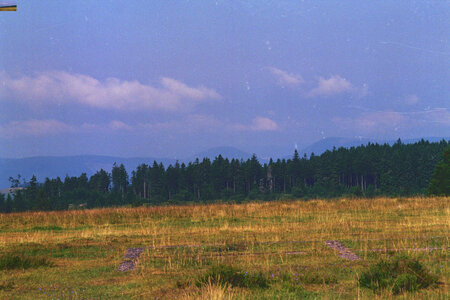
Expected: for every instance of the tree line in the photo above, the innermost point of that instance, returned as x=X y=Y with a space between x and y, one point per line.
x=365 y=171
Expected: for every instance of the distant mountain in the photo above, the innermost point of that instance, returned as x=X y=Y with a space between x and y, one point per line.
x=54 y=166
x=226 y=152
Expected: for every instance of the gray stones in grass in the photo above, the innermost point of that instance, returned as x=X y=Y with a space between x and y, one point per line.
x=130 y=259
x=344 y=252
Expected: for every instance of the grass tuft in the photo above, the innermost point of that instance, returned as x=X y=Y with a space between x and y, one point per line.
x=11 y=261
x=226 y=274
x=399 y=274
x=213 y=291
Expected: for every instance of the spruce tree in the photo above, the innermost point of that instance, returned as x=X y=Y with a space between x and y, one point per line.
x=440 y=183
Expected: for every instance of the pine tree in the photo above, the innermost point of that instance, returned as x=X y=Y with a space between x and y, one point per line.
x=8 y=204
x=2 y=203
x=440 y=184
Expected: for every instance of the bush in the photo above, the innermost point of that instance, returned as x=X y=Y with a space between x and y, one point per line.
x=399 y=274
x=13 y=261
x=225 y=274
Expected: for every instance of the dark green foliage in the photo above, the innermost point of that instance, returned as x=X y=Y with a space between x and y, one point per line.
x=440 y=183
x=8 y=204
x=226 y=274
x=12 y=261
x=317 y=278
x=299 y=191
x=2 y=203
x=364 y=171
x=398 y=274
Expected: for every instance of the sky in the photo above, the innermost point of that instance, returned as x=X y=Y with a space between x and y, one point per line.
x=173 y=78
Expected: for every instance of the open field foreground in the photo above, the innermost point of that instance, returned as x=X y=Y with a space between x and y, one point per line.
x=281 y=250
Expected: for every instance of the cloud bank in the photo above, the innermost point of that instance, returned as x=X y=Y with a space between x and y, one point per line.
x=62 y=87
x=324 y=87
x=34 y=128
x=385 y=121
x=196 y=123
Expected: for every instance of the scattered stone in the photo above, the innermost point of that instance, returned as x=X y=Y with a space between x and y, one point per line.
x=130 y=259
x=127 y=265
x=133 y=253
x=344 y=252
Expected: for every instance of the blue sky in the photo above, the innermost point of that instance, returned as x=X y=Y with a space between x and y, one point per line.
x=172 y=78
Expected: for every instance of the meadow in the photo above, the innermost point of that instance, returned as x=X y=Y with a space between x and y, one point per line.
x=8 y=8
x=257 y=250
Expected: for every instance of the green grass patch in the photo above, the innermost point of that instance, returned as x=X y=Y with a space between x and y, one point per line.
x=12 y=261
x=226 y=274
x=398 y=274
x=46 y=228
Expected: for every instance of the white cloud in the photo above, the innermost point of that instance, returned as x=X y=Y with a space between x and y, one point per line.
x=285 y=78
x=325 y=87
x=263 y=124
x=257 y=124
x=439 y=116
x=373 y=121
x=104 y=127
x=331 y=86
x=205 y=123
x=62 y=87
x=181 y=89
x=190 y=124
x=119 y=125
x=193 y=123
x=34 y=128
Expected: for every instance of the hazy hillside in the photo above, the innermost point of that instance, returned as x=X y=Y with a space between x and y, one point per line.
x=53 y=166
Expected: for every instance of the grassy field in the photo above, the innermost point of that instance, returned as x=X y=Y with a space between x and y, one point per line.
x=277 y=249
x=8 y=8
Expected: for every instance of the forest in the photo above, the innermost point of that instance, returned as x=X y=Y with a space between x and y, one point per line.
x=365 y=171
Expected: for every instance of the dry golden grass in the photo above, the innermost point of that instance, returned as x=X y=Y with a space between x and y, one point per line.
x=272 y=237
x=212 y=291
x=8 y=8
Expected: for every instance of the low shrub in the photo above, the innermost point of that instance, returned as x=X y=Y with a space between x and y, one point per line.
x=226 y=274
x=11 y=261
x=398 y=274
